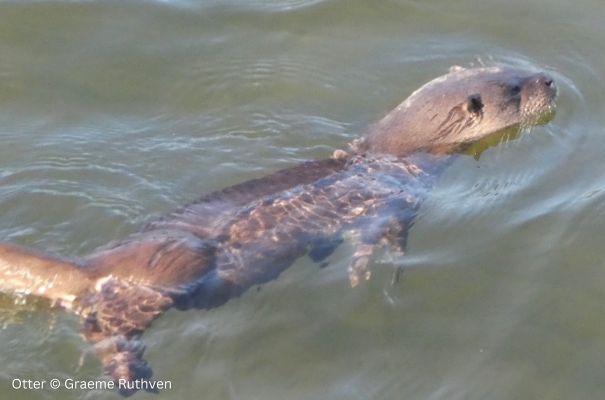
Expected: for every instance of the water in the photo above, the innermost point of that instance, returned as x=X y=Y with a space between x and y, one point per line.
x=114 y=113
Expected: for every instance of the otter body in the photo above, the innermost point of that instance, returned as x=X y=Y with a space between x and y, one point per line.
x=214 y=249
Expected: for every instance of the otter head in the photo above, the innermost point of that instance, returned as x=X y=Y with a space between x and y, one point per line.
x=462 y=107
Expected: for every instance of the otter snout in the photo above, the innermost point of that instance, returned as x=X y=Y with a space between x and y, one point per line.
x=538 y=96
x=548 y=83
x=540 y=85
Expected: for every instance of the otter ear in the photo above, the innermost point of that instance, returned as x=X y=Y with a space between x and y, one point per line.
x=456 y=68
x=474 y=105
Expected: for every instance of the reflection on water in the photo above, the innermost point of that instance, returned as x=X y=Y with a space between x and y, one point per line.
x=113 y=113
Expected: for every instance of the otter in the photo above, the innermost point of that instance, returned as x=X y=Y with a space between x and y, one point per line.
x=212 y=250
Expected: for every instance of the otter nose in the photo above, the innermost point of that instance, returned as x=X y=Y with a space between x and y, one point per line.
x=545 y=80
x=548 y=82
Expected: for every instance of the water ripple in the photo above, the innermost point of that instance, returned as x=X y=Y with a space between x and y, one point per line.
x=255 y=5
x=233 y=76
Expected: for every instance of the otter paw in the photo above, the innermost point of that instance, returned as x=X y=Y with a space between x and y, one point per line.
x=359 y=271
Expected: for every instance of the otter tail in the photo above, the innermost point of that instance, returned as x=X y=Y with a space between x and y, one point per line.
x=31 y=272
x=114 y=312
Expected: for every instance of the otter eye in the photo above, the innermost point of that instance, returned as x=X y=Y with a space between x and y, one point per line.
x=515 y=90
x=474 y=104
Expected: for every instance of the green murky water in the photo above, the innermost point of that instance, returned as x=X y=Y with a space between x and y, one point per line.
x=115 y=112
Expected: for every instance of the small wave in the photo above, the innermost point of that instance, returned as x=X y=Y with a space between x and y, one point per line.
x=255 y=5
x=232 y=77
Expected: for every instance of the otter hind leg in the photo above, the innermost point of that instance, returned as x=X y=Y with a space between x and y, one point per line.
x=122 y=360
x=114 y=318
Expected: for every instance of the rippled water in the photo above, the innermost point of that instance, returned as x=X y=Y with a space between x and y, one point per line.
x=115 y=112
